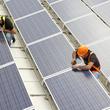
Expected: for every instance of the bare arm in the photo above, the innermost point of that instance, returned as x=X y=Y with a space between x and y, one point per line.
x=74 y=55
x=13 y=31
x=73 y=58
x=83 y=67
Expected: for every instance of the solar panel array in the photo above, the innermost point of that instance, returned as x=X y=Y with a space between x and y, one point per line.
x=87 y=27
x=13 y=95
x=51 y=52
x=77 y=91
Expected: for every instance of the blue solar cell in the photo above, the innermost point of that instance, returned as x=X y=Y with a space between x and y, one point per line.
x=13 y=95
x=19 y=8
x=70 y=9
x=5 y=54
x=89 y=29
x=77 y=91
x=52 y=55
x=37 y=27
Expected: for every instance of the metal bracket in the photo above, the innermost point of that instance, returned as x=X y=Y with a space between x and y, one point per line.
x=30 y=108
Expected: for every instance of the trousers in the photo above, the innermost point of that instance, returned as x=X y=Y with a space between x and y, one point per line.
x=9 y=38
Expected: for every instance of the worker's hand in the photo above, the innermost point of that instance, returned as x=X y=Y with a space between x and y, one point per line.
x=75 y=66
x=73 y=62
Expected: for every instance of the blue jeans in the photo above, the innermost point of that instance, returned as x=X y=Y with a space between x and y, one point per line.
x=9 y=38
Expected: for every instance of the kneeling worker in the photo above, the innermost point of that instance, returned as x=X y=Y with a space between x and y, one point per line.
x=91 y=61
x=8 y=29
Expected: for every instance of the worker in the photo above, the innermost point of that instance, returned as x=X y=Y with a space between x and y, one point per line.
x=8 y=28
x=91 y=61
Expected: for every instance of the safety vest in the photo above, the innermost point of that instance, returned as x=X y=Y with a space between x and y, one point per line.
x=3 y=18
x=96 y=69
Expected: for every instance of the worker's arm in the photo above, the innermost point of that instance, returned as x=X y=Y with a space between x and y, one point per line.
x=73 y=58
x=83 y=66
x=13 y=31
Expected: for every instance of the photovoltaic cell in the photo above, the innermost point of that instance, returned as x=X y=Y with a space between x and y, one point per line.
x=19 y=8
x=103 y=53
x=5 y=54
x=70 y=9
x=52 y=55
x=77 y=91
x=36 y=27
x=94 y=2
x=103 y=12
x=13 y=95
x=89 y=29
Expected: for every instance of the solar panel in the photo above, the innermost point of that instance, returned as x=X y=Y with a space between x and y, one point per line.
x=103 y=12
x=102 y=51
x=19 y=8
x=13 y=95
x=36 y=27
x=94 y=2
x=89 y=29
x=52 y=55
x=77 y=91
x=70 y=9
x=5 y=55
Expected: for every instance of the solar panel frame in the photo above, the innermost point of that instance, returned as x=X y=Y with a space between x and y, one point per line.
x=20 y=10
x=39 y=30
x=59 y=8
x=89 y=33
x=13 y=93
x=51 y=48
x=75 y=98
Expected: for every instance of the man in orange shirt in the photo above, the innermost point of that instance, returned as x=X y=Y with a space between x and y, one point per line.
x=91 y=61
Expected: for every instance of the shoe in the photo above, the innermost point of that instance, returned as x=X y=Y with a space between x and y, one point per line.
x=13 y=38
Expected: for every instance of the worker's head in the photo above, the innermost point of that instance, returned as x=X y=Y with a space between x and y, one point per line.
x=82 y=51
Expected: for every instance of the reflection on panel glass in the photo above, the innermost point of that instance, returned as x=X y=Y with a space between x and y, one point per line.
x=19 y=8
x=52 y=55
x=89 y=29
x=104 y=12
x=37 y=27
x=70 y=9
x=94 y=2
x=75 y=91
